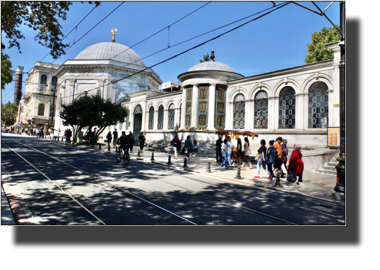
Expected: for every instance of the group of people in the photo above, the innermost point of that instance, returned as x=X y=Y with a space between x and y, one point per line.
x=224 y=151
x=273 y=158
x=191 y=147
x=130 y=141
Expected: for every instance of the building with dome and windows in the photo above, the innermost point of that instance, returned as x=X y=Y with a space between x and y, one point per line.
x=298 y=103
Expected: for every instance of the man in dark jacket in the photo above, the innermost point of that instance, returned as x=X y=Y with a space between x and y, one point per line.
x=219 y=149
x=115 y=137
x=109 y=137
x=131 y=140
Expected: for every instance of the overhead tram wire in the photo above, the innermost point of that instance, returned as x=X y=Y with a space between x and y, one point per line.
x=201 y=44
x=73 y=29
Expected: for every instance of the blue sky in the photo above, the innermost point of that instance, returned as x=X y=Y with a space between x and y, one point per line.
x=276 y=41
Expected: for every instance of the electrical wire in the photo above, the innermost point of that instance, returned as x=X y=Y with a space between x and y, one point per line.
x=192 y=48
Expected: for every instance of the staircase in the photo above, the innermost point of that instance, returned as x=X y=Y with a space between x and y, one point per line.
x=329 y=167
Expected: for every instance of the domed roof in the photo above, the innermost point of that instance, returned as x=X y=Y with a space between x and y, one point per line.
x=111 y=51
x=211 y=65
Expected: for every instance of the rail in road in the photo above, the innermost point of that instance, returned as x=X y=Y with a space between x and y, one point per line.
x=273 y=207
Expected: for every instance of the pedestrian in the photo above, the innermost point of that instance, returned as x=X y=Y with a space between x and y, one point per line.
x=218 y=149
x=223 y=152
x=278 y=161
x=37 y=132
x=195 y=147
x=179 y=145
x=109 y=137
x=142 y=142
x=114 y=137
x=247 y=152
x=174 y=144
x=239 y=152
x=284 y=155
x=131 y=141
x=271 y=155
x=263 y=159
x=41 y=133
x=228 y=151
x=68 y=136
x=188 y=146
x=296 y=163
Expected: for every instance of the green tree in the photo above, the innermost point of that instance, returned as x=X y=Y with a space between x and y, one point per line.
x=42 y=17
x=91 y=111
x=6 y=72
x=8 y=113
x=316 y=50
x=206 y=58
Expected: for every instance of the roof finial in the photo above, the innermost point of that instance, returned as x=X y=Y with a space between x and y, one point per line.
x=113 y=31
x=212 y=55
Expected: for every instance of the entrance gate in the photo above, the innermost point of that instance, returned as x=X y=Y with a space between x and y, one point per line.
x=137 y=122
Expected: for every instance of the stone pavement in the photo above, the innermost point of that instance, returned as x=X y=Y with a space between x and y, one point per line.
x=314 y=184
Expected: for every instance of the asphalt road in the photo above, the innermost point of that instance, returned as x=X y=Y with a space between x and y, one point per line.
x=142 y=193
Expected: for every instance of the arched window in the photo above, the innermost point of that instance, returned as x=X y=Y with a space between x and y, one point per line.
x=287 y=108
x=220 y=107
x=171 y=116
x=261 y=110
x=43 y=79
x=41 y=109
x=151 y=118
x=160 y=124
x=318 y=105
x=188 y=106
x=239 y=112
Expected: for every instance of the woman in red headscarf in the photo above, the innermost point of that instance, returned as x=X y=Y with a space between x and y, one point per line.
x=296 y=163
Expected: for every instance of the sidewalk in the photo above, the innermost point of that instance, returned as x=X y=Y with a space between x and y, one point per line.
x=314 y=184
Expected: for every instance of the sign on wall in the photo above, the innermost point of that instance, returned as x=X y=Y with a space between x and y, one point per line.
x=333 y=136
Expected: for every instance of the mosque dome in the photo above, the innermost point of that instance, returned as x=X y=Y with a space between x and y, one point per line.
x=111 y=51
x=211 y=65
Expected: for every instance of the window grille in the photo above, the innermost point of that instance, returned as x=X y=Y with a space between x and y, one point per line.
x=287 y=108
x=171 y=116
x=203 y=106
x=220 y=107
x=43 y=79
x=160 y=124
x=239 y=112
x=138 y=109
x=318 y=105
x=188 y=107
x=151 y=118
x=261 y=110
x=54 y=81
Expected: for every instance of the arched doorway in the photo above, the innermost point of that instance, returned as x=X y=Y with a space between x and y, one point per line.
x=137 y=121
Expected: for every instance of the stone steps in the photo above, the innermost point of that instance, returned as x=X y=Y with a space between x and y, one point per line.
x=328 y=167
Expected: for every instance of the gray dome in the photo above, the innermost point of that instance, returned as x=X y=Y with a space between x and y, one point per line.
x=111 y=51
x=211 y=65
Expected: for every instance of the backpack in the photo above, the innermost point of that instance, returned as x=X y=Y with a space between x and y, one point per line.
x=272 y=154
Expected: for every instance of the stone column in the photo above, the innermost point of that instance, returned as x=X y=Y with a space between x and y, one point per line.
x=300 y=125
x=248 y=113
x=155 y=121
x=176 y=118
x=143 y=120
x=272 y=113
x=211 y=107
x=183 y=116
x=195 y=106
x=166 y=120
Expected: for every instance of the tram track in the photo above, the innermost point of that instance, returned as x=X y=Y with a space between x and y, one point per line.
x=203 y=194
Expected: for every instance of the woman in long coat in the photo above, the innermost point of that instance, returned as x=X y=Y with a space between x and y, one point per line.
x=296 y=163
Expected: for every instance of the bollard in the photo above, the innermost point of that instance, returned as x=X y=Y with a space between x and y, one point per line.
x=185 y=163
x=100 y=147
x=238 y=175
x=152 y=159
x=109 y=148
x=62 y=139
x=169 y=161
x=209 y=167
x=277 y=184
x=92 y=145
x=138 y=153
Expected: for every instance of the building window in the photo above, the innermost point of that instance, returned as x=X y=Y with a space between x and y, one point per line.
x=220 y=107
x=188 y=107
x=171 y=116
x=261 y=110
x=318 y=105
x=203 y=106
x=151 y=118
x=43 y=79
x=239 y=112
x=287 y=108
x=160 y=124
x=54 y=83
x=41 y=109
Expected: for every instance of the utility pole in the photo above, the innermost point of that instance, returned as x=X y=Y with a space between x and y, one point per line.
x=340 y=168
x=53 y=107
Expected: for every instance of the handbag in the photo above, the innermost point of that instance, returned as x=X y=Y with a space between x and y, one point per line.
x=257 y=157
x=291 y=176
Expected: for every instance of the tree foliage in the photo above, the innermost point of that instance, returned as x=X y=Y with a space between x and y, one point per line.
x=92 y=111
x=8 y=113
x=316 y=50
x=206 y=58
x=6 y=72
